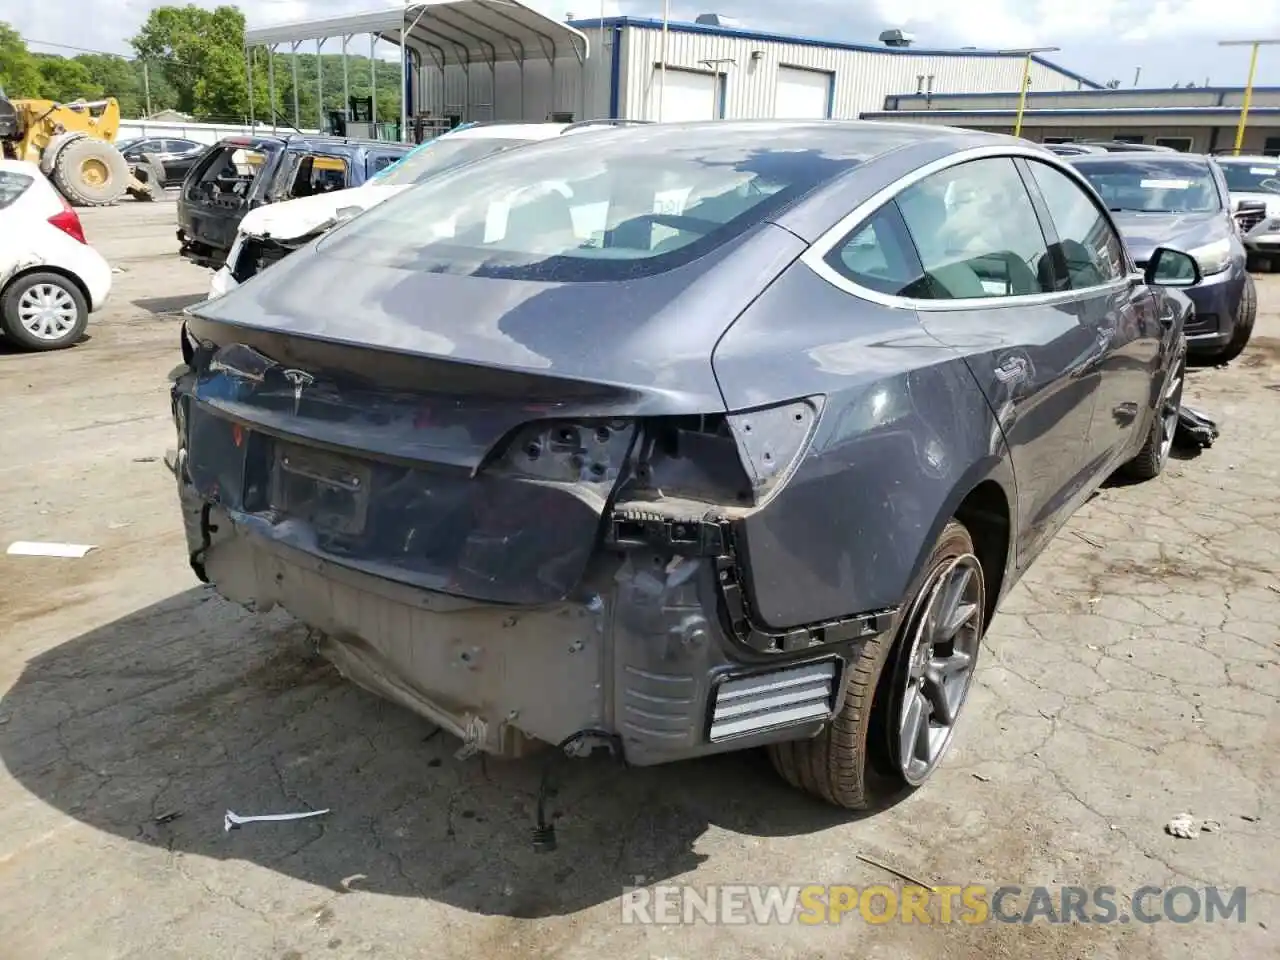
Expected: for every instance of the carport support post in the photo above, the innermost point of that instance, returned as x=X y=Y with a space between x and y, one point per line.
x=297 y=118
x=248 y=64
x=404 y=83
x=271 y=80
x=346 y=86
x=320 y=83
x=373 y=86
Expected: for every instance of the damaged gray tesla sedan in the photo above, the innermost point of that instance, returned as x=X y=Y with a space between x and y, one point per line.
x=715 y=435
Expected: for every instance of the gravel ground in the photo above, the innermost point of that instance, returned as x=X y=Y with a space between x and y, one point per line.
x=1132 y=676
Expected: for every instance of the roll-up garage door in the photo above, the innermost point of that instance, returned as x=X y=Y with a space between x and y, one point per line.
x=688 y=96
x=802 y=94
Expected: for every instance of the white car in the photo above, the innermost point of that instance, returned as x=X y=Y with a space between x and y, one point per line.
x=270 y=232
x=1254 y=183
x=50 y=278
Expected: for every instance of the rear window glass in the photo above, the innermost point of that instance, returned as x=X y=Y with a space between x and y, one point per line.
x=12 y=186
x=635 y=202
x=229 y=170
x=1253 y=177
x=1152 y=184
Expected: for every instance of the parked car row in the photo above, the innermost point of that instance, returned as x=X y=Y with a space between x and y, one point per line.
x=686 y=438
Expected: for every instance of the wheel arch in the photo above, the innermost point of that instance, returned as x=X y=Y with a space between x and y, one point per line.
x=983 y=499
x=56 y=271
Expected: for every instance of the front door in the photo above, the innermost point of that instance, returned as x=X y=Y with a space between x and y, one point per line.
x=1091 y=260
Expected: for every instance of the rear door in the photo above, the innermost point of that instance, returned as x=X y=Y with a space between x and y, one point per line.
x=1090 y=260
x=991 y=293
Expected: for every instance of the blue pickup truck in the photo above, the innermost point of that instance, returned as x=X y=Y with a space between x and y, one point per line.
x=242 y=173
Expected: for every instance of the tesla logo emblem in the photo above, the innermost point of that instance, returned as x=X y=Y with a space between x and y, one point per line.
x=299 y=379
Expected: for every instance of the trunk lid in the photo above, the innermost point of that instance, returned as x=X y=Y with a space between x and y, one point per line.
x=460 y=434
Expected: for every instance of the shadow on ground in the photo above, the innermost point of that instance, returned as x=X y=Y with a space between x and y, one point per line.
x=166 y=305
x=151 y=727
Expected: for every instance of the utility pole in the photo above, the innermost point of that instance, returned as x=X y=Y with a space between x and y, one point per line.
x=1248 y=87
x=146 y=86
x=1026 y=55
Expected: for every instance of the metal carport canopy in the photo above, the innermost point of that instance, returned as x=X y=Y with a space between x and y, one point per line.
x=454 y=31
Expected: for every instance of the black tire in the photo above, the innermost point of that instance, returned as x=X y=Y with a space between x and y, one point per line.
x=1151 y=459
x=852 y=763
x=91 y=173
x=11 y=320
x=1242 y=331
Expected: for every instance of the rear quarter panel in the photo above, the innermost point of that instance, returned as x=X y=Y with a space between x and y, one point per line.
x=904 y=436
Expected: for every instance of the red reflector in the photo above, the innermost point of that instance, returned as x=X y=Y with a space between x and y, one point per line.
x=69 y=223
x=237 y=434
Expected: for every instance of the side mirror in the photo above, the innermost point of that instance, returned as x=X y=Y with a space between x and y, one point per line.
x=1172 y=268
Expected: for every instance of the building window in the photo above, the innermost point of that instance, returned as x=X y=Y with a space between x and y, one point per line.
x=1272 y=147
x=1182 y=144
x=1059 y=139
x=1128 y=138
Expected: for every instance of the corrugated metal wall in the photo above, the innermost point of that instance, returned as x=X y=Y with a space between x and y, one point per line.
x=863 y=78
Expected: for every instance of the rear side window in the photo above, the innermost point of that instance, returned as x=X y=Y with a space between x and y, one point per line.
x=977 y=232
x=12 y=186
x=1092 y=253
x=318 y=173
x=879 y=255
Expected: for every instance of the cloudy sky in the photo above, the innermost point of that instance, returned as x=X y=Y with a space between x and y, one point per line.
x=1173 y=41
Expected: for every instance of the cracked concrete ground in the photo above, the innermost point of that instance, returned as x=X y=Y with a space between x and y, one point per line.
x=1134 y=675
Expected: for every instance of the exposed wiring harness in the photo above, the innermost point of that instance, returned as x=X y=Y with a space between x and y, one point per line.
x=544 y=832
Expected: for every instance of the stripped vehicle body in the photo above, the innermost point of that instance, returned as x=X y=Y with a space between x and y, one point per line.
x=677 y=479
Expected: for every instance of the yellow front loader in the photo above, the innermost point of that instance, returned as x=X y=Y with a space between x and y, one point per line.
x=73 y=144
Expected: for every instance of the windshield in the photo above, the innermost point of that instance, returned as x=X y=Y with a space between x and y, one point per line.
x=1154 y=185
x=640 y=201
x=1255 y=177
x=440 y=155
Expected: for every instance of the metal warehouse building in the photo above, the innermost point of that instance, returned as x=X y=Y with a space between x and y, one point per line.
x=499 y=60
x=1196 y=119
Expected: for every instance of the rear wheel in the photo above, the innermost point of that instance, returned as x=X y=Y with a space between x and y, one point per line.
x=1242 y=330
x=43 y=311
x=91 y=173
x=904 y=693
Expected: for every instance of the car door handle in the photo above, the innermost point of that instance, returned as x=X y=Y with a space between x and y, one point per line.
x=1166 y=320
x=1011 y=368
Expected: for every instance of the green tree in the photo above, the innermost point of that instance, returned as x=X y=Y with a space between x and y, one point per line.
x=201 y=55
x=117 y=77
x=19 y=71
x=66 y=80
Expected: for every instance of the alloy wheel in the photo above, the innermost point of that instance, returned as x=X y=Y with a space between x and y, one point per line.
x=944 y=649
x=47 y=311
x=1170 y=406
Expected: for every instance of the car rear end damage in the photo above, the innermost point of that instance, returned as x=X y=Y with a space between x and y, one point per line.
x=518 y=558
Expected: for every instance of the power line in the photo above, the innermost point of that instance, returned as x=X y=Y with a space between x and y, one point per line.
x=67 y=46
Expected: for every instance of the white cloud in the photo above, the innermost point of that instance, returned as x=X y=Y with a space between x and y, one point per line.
x=1019 y=23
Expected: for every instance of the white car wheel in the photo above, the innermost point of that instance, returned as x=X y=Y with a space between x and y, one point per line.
x=44 y=311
